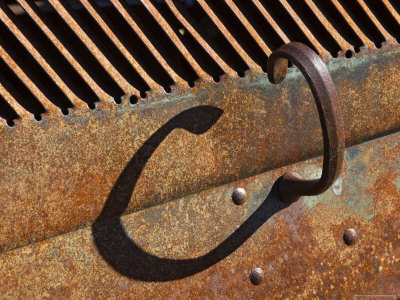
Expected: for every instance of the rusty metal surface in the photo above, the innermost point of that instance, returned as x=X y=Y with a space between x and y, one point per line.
x=64 y=167
x=57 y=174
x=202 y=41
x=292 y=186
x=205 y=246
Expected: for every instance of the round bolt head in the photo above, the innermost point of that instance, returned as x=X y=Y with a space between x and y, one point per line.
x=350 y=236
x=256 y=276
x=239 y=196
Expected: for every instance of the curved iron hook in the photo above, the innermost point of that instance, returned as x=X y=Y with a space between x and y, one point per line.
x=291 y=185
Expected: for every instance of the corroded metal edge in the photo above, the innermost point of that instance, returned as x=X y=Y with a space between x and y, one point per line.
x=339 y=40
x=205 y=246
x=57 y=175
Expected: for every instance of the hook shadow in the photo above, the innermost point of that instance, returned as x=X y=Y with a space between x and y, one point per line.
x=121 y=252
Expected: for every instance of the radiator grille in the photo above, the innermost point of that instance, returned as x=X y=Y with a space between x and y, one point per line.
x=58 y=55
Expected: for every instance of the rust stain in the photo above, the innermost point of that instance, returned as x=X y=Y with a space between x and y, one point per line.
x=151 y=83
x=366 y=41
x=386 y=194
x=175 y=39
x=391 y=9
x=45 y=65
x=65 y=168
x=10 y=14
x=249 y=27
x=28 y=82
x=125 y=14
x=314 y=41
x=378 y=25
x=198 y=37
x=204 y=246
x=344 y=45
x=56 y=176
x=19 y=109
x=92 y=47
x=271 y=21
x=31 y=9
x=228 y=35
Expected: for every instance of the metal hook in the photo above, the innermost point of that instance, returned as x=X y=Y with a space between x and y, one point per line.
x=291 y=185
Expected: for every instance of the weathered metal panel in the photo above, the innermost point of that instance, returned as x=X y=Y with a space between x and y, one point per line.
x=205 y=246
x=56 y=175
x=61 y=173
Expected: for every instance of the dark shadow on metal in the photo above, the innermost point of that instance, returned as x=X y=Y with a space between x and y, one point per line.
x=129 y=259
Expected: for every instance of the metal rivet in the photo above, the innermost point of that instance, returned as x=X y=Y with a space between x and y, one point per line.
x=350 y=236
x=256 y=276
x=239 y=196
